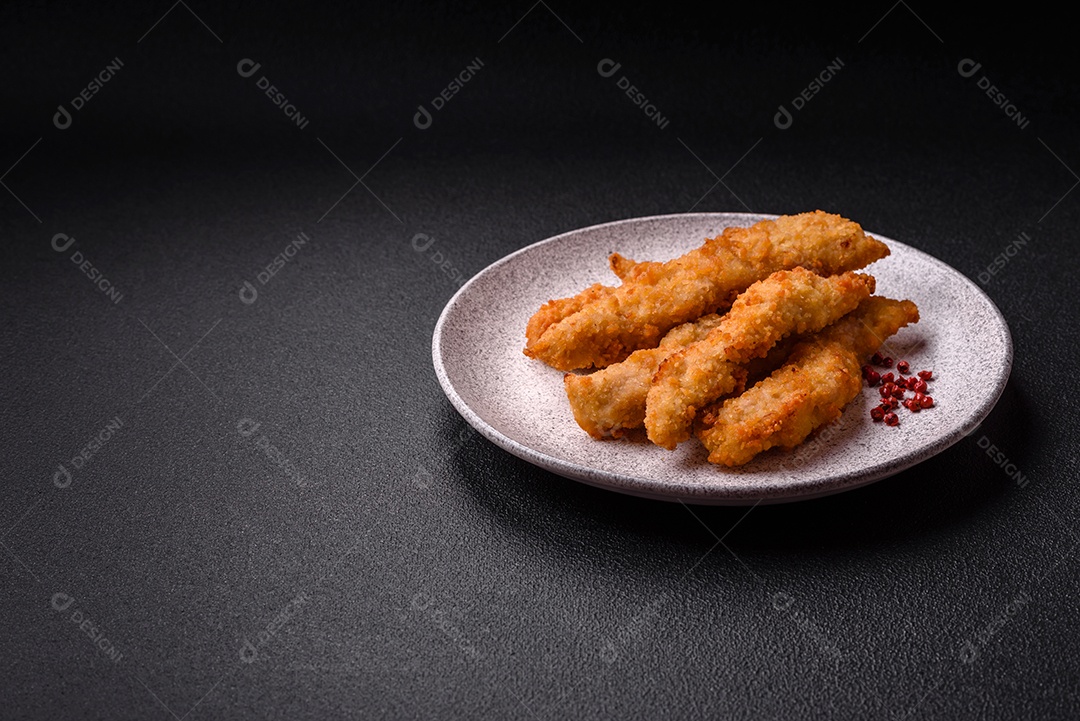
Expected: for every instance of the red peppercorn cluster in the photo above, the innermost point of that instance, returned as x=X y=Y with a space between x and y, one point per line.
x=894 y=388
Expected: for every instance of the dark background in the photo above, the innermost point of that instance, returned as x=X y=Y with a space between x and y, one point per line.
x=417 y=571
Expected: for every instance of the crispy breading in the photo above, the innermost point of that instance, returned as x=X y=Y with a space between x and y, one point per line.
x=629 y=270
x=554 y=311
x=606 y=329
x=787 y=302
x=609 y=401
x=822 y=376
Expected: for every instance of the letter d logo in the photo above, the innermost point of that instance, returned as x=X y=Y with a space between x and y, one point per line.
x=422 y=479
x=62 y=118
x=421 y=242
x=62 y=478
x=62 y=601
x=248 y=653
x=248 y=294
x=247 y=67
x=968 y=67
x=783 y=118
x=62 y=237
x=247 y=427
x=422 y=119
x=607 y=67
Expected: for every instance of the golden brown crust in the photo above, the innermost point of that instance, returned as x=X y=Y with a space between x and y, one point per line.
x=554 y=311
x=629 y=270
x=610 y=401
x=606 y=329
x=787 y=302
x=810 y=389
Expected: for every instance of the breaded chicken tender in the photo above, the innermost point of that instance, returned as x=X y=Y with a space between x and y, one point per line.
x=609 y=327
x=554 y=311
x=612 y=400
x=629 y=270
x=822 y=376
x=787 y=302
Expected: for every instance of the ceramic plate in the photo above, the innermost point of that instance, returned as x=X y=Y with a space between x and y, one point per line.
x=519 y=403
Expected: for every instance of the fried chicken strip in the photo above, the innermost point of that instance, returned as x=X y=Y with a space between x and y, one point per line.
x=822 y=376
x=609 y=401
x=554 y=311
x=637 y=314
x=629 y=270
x=787 y=302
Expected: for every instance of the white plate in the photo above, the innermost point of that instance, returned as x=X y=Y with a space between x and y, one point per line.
x=520 y=405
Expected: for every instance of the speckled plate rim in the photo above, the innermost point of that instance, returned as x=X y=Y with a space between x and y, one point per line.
x=726 y=495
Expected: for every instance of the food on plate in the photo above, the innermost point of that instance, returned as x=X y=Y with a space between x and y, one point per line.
x=894 y=389
x=627 y=269
x=612 y=400
x=606 y=326
x=751 y=341
x=787 y=302
x=555 y=310
x=822 y=375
